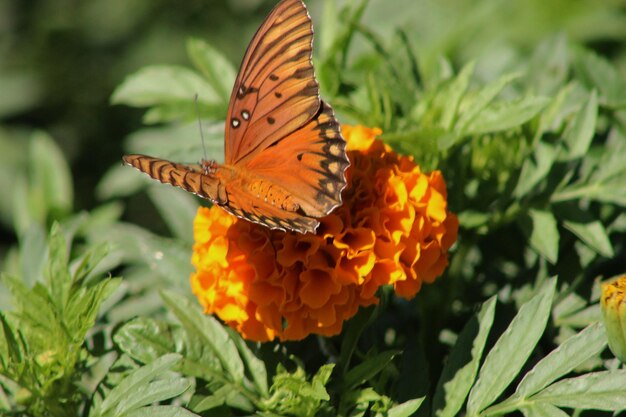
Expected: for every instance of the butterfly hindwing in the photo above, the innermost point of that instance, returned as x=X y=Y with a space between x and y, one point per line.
x=308 y=166
x=275 y=92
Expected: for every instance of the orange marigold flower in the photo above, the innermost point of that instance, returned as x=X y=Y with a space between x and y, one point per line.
x=394 y=228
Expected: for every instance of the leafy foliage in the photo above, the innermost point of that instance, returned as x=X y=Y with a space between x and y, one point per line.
x=41 y=350
x=529 y=130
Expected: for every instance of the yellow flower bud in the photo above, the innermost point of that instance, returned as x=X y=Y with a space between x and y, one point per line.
x=613 y=305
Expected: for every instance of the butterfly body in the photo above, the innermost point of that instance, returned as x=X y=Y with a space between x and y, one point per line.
x=284 y=156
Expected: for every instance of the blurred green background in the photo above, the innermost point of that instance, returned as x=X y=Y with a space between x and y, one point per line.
x=60 y=61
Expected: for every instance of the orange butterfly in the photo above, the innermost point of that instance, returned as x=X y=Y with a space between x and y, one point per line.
x=285 y=158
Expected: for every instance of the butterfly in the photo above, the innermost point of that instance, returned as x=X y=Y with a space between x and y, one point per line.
x=284 y=156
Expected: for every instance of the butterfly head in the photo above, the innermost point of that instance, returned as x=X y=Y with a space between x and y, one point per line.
x=208 y=166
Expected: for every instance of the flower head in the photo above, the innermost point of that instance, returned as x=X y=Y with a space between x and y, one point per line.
x=613 y=304
x=394 y=228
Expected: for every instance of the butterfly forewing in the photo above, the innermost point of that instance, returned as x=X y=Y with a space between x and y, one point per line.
x=275 y=92
x=190 y=178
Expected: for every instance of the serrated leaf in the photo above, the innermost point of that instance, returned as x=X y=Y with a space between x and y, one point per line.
x=593 y=234
x=214 y=66
x=598 y=390
x=574 y=351
x=83 y=306
x=367 y=369
x=544 y=236
x=510 y=352
x=506 y=115
x=161 y=84
x=178 y=208
x=582 y=129
x=210 y=331
x=122 y=394
x=460 y=370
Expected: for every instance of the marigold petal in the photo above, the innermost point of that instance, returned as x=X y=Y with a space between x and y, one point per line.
x=318 y=287
x=394 y=228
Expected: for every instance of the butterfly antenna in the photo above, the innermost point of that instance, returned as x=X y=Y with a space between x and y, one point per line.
x=195 y=102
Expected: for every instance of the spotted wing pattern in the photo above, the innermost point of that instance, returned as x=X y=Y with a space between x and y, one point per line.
x=305 y=173
x=275 y=92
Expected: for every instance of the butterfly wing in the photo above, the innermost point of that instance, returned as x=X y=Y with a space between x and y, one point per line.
x=191 y=178
x=308 y=167
x=275 y=92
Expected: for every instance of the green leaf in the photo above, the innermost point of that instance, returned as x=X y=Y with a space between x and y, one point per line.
x=460 y=369
x=58 y=278
x=367 y=369
x=83 y=306
x=582 y=129
x=254 y=365
x=512 y=349
x=127 y=394
x=452 y=94
x=178 y=208
x=168 y=259
x=405 y=409
x=593 y=234
x=33 y=254
x=152 y=392
x=535 y=168
x=549 y=66
x=506 y=115
x=176 y=111
x=218 y=398
x=598 y=390
x=12 y=345
x=350 y=336
x=162 y=84
x=292 y=394
x=145 y=339
x=210 y=331
x=574 y=351
x=214 y=66
x=544 y=236
x=599 y=74
x=543 y=410
x=50 y=174
x=160 y=411
x=472 y=105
